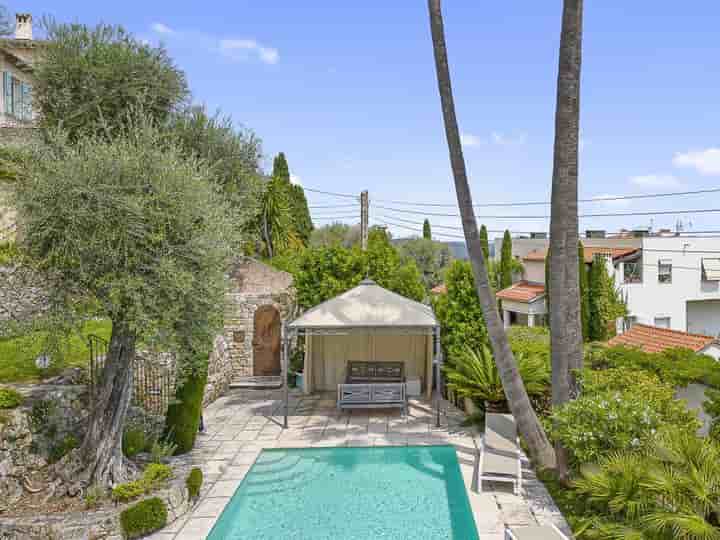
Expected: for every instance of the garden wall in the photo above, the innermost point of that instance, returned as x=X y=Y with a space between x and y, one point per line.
x=22 y=295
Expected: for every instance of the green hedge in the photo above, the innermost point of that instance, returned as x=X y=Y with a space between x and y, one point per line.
x=194 y=482
x=9 y=398
x=154 y=476
x=143 y=518
x=134 y=442
x=183 y=417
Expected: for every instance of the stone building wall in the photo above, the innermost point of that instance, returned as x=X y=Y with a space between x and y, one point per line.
x=219 y=371
x=253 y=284
x=22 y=295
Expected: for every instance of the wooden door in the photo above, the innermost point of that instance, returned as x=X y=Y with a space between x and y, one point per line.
x=266 y=342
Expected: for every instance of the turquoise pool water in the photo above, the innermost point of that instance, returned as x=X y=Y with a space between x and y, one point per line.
x=392 y=493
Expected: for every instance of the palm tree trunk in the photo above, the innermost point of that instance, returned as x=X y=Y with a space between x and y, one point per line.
x=101 y=450
x=566 y=341
x=541 y=451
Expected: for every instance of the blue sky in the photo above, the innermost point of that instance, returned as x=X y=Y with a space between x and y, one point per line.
x=347 y=90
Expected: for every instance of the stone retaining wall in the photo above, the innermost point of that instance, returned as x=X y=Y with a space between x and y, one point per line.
x=22 y=295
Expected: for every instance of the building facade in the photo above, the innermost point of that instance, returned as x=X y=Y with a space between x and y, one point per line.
x=17 y=56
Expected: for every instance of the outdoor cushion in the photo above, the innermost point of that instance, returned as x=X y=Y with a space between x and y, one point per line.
x=540 y=532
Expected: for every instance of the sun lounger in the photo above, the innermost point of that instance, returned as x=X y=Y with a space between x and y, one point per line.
x=500 y=451
x=537 y=532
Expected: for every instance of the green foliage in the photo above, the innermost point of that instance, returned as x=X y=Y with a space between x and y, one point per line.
x=324 y=272
x=459 y=313
x=40 y=414
x=61 y=448
x=67 y=350
x=676 y=367
x=484 y=242
x=605 y=302
x=134 y=441
x=670 y=491
x=618 y=410
x=143 y=518
x=281 y=170
x=194 y=482
x=302 y=223
x=431 y=258
x=161 y=450
x=149 y=244
x=183 y=415
x=474 y=375
x=274 y=221
x=154 y=476
x=584 y=292
x=10 y=398
x=88 y=79
x=335 y=234
x=9 y=253
x=231 y=154
x=712 y=408
x=427 y=233
x=506 y=262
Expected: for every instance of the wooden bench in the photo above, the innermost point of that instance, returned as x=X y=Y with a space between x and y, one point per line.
x=373 y=385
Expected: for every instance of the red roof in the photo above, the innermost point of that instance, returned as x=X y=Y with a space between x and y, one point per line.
x=653 y=339
x=522 y=291
x=590 y=252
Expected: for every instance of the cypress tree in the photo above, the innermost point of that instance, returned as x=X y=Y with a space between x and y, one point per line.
x=599 y=301
x=182 y=419
x=427 y=233
x=506 y=261
x=484 y=242
x=584 y=293
x=280 y=168
x=297 y=202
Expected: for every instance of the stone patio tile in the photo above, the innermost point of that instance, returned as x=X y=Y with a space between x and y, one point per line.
x=213 y=467
x=211 y=507
x=245 y=458
x=176 y=525
x=196 y=528
x=377 y=427
x=389 y=440
x=162 y=535
x=224 y=488
x=332 y=442
x=235 y=472
x=291 y=443
x=247 y=435
x=366 y=441
x=486 y=512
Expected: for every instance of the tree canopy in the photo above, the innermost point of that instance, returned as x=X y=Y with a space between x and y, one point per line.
x=320 y=273
x=506 y=264
x=427 y=233
x=87 y=80
x=297 y=203
x=431 y=258
x=485 y=242
x=335 y=234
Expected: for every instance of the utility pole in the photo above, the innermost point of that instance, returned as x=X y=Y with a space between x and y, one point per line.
x=364 y=220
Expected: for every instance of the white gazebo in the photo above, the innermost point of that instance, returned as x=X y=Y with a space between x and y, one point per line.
x=372 y=334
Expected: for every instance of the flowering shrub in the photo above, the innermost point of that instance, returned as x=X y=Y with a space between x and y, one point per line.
x=618 y=410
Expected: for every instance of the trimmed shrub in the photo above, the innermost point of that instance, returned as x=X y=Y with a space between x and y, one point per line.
x=143 y=518
x=156 y=474
x=194 y=482
x=183 y=416
x=62 y=448
x=9 y=398
x=134 y=442
x=128 y=491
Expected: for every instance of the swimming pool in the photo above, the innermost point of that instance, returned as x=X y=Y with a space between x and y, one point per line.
x=393 y=493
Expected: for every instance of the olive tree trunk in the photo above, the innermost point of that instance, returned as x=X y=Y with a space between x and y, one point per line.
x=541 y=451
x=101 y=450
x=566 y=339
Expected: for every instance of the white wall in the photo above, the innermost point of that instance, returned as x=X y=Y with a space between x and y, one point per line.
x=534 y=271
x=651 y=299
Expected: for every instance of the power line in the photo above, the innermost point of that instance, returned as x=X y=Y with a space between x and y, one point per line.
x=333 y=205
x=335 y=218
x=391 y=224
x=450 y=227
x=333 y=194
x=547 y=203
x=611 y=214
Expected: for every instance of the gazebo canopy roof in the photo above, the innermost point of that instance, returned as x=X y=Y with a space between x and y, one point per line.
x=367 y=306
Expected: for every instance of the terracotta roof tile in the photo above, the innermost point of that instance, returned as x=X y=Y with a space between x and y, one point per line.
x=653 y=339
x=522 y=291
x=590 y=252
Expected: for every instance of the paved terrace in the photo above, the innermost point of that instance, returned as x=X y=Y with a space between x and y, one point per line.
x=240 y=425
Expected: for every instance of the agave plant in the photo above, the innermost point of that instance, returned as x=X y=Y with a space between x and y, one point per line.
x=474 y=375
x=671 y=491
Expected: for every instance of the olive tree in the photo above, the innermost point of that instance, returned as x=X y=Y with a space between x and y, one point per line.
x=139 y=231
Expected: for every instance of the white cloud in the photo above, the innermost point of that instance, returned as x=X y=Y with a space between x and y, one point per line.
x=242 y=49
x=503 y=139
x=655 y=180
x=295 y=180
x=611 y=201
x=468 y=139
x=161 y=28
x=705 y=162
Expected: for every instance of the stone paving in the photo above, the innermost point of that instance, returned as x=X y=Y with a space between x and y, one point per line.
x=243 y=423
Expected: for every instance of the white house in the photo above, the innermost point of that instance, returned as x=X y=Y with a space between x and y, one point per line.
x=668 y=281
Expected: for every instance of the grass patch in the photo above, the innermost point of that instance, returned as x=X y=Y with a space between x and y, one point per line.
x=9 y=398
x=18 y=354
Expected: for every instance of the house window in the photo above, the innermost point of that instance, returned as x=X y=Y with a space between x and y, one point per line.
x=17 y=97
x=665 y=271
x=662 y=322
x=710 y=269
x=633 y=272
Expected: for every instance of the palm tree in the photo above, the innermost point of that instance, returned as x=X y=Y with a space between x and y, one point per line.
x=532 y=432
x=566 y=339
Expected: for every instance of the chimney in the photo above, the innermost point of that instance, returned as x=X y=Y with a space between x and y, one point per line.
x=23 y=26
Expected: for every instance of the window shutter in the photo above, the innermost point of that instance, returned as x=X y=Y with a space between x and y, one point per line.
x=7 y=93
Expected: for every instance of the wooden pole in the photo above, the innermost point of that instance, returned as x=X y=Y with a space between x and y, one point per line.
x=364 y=220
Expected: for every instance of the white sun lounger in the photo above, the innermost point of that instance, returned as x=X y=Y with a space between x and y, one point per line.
x=537 y=532
x=500 y=451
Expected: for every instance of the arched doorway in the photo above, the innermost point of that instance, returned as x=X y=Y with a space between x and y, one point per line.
x=266 y=341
